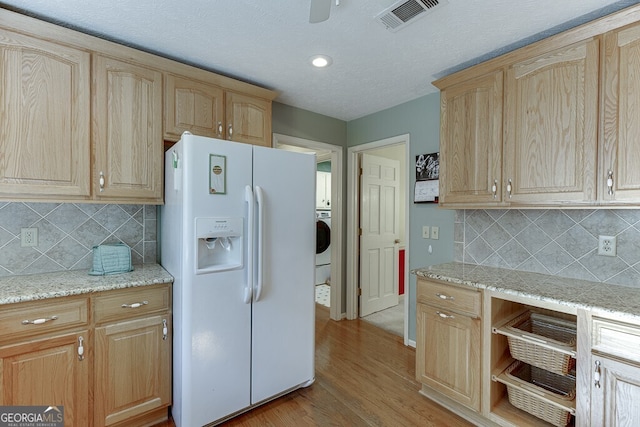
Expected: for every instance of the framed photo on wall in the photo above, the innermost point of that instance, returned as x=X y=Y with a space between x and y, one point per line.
x=427 y=178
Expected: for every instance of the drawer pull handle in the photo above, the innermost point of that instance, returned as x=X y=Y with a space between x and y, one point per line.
x=80 y=348
x=135 y=304
x=443 y=296
x=39 y=321
x=444 y=315
x=165 y=329
x=596 y=375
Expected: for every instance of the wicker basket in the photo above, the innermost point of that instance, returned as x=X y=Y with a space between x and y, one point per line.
x=546 y=395
x=542 y=341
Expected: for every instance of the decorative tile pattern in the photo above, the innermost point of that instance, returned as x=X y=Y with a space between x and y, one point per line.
x=67 y=233
x=557 y=242
x=323 y=295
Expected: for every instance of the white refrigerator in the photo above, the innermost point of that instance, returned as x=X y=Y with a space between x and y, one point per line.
x=238 y=236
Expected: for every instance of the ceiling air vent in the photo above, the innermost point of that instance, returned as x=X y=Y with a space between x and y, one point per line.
x=402 y=13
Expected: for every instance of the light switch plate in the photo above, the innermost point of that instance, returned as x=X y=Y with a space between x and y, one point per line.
x=435 y=233
x=425 y=231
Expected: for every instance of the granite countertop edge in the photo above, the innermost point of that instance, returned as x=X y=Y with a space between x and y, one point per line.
x=34 y=287
x=579 y=294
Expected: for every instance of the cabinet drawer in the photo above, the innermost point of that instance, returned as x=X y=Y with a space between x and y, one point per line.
x=131 y=302
x=616 y=338
x=449 y=297
x=42 y=317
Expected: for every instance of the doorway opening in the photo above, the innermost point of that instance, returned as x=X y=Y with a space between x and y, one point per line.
x=333 y=154
x=390 y=240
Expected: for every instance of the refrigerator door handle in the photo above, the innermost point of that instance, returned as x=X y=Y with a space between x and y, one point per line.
x=260 y=201
x=249 y=198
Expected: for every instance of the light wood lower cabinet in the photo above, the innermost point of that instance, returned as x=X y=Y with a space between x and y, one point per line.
x=615 y=373
x=615 y=393
x=106 y=358
x=48 y=372
x=448 y=341
x=448 y=354
x=132 y=369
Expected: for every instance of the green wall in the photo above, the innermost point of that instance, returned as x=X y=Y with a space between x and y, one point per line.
x=421 y=120
x=291 y=121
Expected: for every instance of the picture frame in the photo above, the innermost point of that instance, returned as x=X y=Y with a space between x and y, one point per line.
x=427 y=186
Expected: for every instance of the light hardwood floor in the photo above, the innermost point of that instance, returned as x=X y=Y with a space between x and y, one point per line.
x=364 y=377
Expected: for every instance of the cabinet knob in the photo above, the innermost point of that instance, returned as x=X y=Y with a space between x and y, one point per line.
x=80 y=348
x=101 y=181
x=610 y=182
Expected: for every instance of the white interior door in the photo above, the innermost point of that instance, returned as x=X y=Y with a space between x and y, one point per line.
x=379 y=223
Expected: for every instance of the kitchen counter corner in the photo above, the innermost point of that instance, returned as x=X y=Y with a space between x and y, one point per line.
x=582 y=294
x=34 y=287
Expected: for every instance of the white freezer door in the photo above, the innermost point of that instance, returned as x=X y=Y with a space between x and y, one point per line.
x=283 y=320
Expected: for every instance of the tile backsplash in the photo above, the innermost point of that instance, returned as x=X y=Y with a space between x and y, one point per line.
x=558 y=242
x=67 y=233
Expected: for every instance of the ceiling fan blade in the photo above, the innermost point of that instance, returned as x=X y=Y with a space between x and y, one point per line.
x=320 y=10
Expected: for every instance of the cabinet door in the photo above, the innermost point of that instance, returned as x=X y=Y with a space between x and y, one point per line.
x=127 y=130
x=132 y=369
x=192 y=106
x=48 y=372
x=621 y=134
x=44 y=117
x=615 y=397
x=248 y=119
x=471 y=142
x=551 y=113
x=448 y=354
x=323 y=190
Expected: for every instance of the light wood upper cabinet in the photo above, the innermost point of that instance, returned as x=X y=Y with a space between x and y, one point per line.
x=620 y=148
x=551 y=116
x=471 y=141
x=127 y=131
x=193 y=106
x=44 y=119
x=248 y=119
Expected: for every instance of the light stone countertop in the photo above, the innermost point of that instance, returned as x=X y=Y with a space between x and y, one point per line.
x=76 y=282
x=614 y=299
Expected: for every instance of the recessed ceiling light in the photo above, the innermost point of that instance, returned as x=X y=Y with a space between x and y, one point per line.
x=321 y=61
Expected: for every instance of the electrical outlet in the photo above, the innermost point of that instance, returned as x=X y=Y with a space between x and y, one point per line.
x=28 y=237
x=607 y=245
x=425 y=231
x=435 y=233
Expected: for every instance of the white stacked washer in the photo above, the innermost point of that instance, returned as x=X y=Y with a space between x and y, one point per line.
x=323 y=246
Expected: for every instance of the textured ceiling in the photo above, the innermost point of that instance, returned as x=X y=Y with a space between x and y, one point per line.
x=269 y=42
